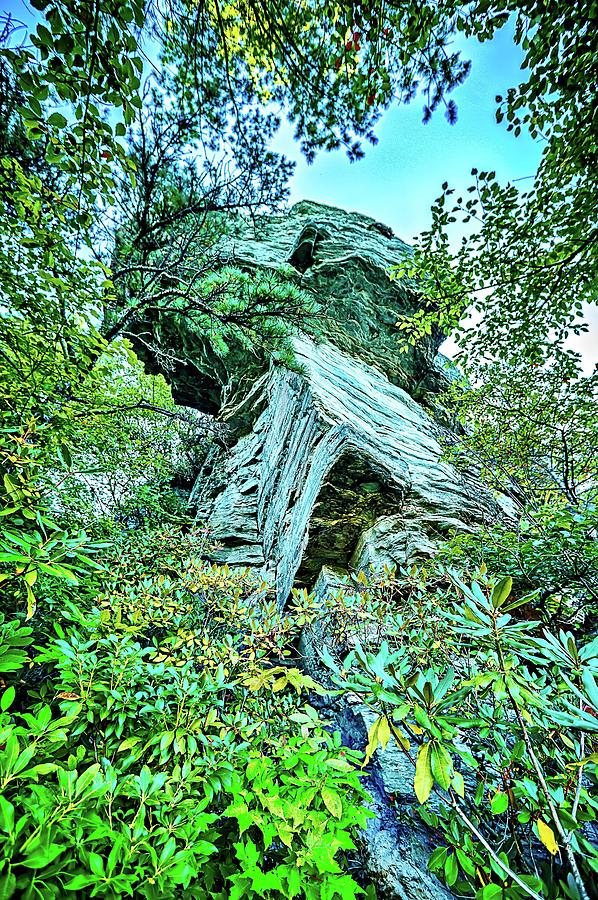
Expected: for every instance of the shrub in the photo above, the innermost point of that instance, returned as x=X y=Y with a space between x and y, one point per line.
x=500 y=722
x=165 y=754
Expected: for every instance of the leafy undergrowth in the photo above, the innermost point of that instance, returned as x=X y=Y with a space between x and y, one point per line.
x=156 y=739
x=497 y=714
x=159 y=744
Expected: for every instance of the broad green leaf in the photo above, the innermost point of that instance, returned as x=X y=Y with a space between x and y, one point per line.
x=424 y=780
x=378 y=735
x=451 y=869
x=332 y=802
x=57 y=120
x=501 y=591
x=442 y=765
x=7 y=698
x=7 y=815
x=459 y=784
x=499 y=803
x=86 y=778
x=127 y=744
x=492 y=892
x=8 y=886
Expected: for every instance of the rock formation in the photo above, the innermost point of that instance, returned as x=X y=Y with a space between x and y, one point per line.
x=337 y=464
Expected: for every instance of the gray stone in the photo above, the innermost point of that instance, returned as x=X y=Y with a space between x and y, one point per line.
x=337 y=466
x=344 y=259
x=289 y=496
x=395 y=846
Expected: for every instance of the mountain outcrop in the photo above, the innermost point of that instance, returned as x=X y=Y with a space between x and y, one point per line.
x=337 y=464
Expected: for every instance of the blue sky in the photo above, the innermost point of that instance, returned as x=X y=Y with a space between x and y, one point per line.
x=401 y=176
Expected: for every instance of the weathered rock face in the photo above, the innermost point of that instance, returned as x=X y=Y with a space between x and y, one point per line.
x=344 y=260
x=340 y=468
x=337 y=465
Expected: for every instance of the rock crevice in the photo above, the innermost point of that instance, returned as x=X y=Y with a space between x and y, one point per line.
x=339 y=459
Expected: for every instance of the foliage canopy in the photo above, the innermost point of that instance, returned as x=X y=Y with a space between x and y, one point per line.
x=155 y=738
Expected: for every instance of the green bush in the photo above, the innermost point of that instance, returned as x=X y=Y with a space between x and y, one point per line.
x=552 y=550
x=500 y=720
x=33 y=546
x=163 y=754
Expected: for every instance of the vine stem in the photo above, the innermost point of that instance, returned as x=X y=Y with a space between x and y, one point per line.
x=582 y=753
x=467 y=821
x=553 y=812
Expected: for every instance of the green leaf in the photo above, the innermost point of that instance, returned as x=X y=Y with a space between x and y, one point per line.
x=96 y=864
x=451 y=869
x=57 y=120
x=79 y=882
x=378 y=735
x=442 y=766
x=7 y=698
x=492 y=892
x=501 y=592
x=168 y=851
x=7 y=815
x=43 y=856
x=424 y=780
x=63 y=451
x=42 y=769
x=127 y=744
x=459 y=784
x=437 y=858
x=499 y=803
x=465 y=862
x=45 y=36
x=166 y=740
x=86 y=778
x=332 y=802
x=8 y=886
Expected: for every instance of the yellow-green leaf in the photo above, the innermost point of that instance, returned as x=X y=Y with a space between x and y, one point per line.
x=401 y=740
x=501 y=591
x=127 y=744
x=31 y=603
x=424 y=780
x=546 y=835
x=378 y=735
x=459 y=783
x=499 y=803
x=285 y=833
x=442 y=766
x=332 y=802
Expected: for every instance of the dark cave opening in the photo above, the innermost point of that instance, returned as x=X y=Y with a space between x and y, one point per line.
x=352 y=498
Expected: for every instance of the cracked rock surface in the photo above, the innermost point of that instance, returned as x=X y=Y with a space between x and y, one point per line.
x=338 y=465
x=341 y=468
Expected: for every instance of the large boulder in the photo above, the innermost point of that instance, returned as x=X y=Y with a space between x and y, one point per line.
x=337 y=463
x=340 y=468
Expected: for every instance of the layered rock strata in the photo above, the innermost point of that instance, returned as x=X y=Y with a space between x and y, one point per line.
x=340 y=468
x=337 y=465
